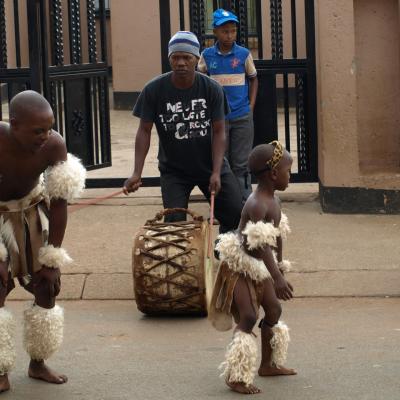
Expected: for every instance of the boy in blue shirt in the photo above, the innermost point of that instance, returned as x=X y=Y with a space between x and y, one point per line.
x=233 y=68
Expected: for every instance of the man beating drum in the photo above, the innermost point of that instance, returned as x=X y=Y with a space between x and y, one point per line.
x=188 y=109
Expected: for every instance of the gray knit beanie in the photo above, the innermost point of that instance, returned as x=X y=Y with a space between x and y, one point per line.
x=184 y=41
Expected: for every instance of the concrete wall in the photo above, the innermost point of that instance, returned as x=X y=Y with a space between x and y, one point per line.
x=358 y=98
x=135 y=44
x=378 y=84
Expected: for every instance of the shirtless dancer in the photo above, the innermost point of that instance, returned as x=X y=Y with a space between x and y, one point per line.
x=251 y=274
x=37 y=178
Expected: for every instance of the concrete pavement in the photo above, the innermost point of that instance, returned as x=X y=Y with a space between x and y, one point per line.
x=333 y=255
x=343 y=349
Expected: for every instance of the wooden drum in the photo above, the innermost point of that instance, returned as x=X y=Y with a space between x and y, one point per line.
x=170 y=266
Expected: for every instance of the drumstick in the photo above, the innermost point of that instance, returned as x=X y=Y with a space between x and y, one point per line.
x=78 y=206
x=211 y=224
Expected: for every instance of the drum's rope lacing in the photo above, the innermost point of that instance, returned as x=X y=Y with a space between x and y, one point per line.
x=180 y=232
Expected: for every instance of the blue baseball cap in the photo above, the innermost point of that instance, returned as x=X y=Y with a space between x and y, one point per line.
x=222 y=16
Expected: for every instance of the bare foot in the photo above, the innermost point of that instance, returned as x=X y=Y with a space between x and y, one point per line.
x=39 y=370
x=274 y=370
x=4 y=383
x=240 y=387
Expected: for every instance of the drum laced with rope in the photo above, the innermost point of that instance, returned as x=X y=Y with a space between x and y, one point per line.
x=171 y=271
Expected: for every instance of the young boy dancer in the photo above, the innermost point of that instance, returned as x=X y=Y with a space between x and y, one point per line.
x=233 y=68
x=33 y=218
x=251 y=273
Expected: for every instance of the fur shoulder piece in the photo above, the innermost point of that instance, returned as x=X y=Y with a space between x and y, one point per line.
x=284 y=226
x=260 y=234
x=65 y=180
x=231 y=251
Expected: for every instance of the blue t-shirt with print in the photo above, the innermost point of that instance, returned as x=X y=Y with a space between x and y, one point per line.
x=231 y=70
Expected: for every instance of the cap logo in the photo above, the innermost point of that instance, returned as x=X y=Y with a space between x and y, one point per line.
x=225 y=13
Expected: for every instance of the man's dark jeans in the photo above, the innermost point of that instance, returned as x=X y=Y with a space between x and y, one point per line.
x=176 y=190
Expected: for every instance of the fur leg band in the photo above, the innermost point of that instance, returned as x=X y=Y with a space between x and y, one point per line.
x=240 y=359
x=279 y=343
x=43 y=331
x=7 y=349
x=260 y=234
x=54 y=257
x=285 y=265
x=65 y=180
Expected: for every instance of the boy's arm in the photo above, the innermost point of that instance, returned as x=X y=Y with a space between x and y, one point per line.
x=251 y=74
x=279 y=245
x=253 y=88
x=202 y=65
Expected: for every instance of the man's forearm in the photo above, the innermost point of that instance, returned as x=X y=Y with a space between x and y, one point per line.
x=58 y=217
x=142 y=145
x=218 y=148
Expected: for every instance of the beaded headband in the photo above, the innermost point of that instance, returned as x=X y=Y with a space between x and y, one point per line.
x=276 y=157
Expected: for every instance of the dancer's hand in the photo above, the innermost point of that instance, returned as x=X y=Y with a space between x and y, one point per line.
x=49 y=277
x=283 y=289
x=215 y=183
x=132 y=184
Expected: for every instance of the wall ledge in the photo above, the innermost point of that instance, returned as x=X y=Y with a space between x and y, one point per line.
x=356 y=200
x=125 y=100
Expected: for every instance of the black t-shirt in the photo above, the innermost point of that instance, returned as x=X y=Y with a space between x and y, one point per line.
x=183 y=118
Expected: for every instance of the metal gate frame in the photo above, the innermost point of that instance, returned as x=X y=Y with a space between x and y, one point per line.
x=304 y=69
x=265 y=118
x=77 y=92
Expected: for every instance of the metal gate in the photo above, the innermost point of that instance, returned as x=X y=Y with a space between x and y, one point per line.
x=53 y=47
x=286 y=101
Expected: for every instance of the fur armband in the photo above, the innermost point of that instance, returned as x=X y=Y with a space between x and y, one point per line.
x=54 y=257
x=284 y=226
x=65 y=180
x=3 y=252
x=260 y=234
x=285 y=265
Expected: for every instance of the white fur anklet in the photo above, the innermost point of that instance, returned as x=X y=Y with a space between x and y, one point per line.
x=43 y=331
x=279 y=343
x=54 y=257
x=240 y=359
x=7 y=349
